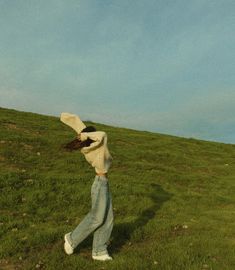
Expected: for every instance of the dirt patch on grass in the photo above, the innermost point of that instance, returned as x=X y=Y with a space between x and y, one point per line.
x=12 y=126
x=2 y=158
x=6 y=265
x=27 y=146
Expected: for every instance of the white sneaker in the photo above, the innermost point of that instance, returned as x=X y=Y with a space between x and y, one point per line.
x=67 y=247
x=104 y=257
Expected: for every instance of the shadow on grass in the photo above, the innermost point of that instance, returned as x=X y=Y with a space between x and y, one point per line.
x=123 y=232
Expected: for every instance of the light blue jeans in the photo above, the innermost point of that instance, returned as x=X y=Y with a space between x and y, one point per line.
x=99 y=219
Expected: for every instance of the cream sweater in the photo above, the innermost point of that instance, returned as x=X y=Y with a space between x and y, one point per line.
x=97 y=154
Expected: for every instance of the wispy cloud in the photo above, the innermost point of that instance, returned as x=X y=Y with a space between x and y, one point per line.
x=155 y=65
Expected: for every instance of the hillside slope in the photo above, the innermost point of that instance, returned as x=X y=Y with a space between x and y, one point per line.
x=173 y=198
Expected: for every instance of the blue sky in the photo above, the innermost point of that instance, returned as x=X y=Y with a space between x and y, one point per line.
x=162 y=66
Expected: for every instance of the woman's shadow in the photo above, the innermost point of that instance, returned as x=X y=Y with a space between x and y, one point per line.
x=122 y=232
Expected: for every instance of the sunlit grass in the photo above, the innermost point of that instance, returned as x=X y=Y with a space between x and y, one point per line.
x=173 y=198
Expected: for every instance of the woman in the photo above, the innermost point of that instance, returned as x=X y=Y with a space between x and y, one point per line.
x=93 y=144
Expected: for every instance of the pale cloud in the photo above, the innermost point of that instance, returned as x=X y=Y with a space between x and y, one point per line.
x=153 y=65
x=208 y=116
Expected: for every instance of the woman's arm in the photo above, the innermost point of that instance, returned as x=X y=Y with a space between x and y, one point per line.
x=96 y=136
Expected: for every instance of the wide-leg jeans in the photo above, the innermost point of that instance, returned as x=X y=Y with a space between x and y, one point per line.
x=99 y=219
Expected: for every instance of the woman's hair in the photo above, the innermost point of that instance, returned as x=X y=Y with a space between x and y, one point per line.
x=89 y=129
x=78 y=144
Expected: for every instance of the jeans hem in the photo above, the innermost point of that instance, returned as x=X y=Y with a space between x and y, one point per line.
x=99 y=253
x=70 y=240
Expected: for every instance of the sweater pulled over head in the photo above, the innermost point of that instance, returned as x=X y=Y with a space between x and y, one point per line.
x=97 y=153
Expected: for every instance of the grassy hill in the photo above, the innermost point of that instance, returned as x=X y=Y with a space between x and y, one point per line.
x=173 y=198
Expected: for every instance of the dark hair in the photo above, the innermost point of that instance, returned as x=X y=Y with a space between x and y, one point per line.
x=89 y=129
x=78 y=144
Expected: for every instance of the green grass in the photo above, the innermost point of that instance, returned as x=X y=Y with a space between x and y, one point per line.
x=173 y=198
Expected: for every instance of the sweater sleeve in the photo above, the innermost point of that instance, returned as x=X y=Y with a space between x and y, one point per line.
x=96 y=136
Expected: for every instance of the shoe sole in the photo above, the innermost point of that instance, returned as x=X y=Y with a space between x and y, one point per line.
x=101 y=259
